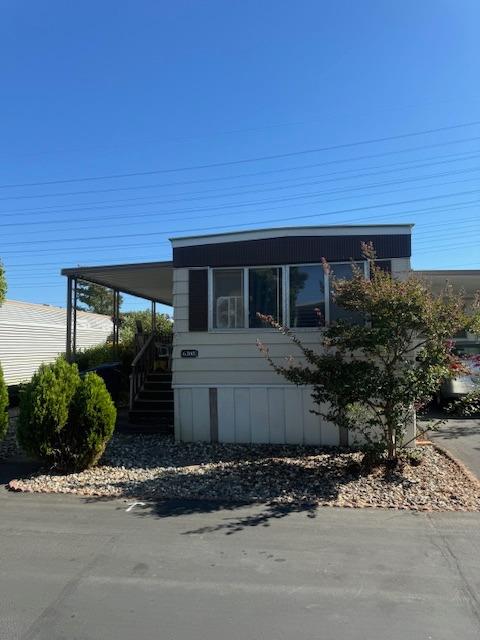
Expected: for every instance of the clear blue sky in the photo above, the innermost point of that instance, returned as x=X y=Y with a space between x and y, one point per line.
x=91 y=89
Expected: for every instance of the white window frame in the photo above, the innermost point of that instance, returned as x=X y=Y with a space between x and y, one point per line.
x=285 y=282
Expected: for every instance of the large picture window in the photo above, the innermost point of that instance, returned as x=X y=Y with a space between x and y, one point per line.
x=239 y=294
x=307 y=296
x=264 y=295
x=228 y=310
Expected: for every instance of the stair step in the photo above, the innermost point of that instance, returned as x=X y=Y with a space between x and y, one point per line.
x=154 y=405
x=157 y=386
x=161 y=377
x=156 y=394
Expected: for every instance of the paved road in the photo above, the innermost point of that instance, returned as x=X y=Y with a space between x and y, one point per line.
x=462 y=438
x=181 y=571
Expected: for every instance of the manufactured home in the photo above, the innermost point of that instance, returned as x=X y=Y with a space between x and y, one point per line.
x=32 y=334
x=223 y=388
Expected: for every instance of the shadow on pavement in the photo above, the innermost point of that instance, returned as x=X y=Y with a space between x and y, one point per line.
x=17 y=468
x=235 y=523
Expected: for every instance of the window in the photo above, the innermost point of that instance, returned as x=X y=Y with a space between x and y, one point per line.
x=228 y=310
x=239 y=294
x=264 y=295
x=343 y=271
x=307 y=296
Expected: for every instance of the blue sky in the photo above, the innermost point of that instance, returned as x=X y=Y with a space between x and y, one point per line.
x=97 y=89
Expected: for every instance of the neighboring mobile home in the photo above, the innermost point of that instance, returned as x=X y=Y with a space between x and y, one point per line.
x=31 y=334
x=224 y=390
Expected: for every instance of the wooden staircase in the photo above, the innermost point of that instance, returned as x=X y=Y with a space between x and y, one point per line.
x=151 y=393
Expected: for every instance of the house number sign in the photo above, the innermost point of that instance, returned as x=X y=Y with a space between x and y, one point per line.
x=189 y=353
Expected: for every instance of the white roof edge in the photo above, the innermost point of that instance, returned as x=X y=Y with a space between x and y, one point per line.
x=44 y=306
x=102 y=267
x=268 y=232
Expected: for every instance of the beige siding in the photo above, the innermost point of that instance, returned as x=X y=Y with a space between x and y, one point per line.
x=276 y=415
x=31 y=335
x=254 y=403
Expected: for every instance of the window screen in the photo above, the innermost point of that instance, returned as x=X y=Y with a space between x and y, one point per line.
x=228 y=299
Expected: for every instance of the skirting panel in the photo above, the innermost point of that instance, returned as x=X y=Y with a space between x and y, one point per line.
x=276 y=415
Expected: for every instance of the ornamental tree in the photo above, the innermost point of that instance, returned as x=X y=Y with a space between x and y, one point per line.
x=95 y=298
x=368 y=376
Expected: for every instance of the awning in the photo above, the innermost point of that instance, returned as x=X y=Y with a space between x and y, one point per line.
x=150 y=280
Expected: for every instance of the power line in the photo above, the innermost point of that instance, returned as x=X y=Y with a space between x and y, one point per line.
x=230 y=163
x=109 y=203
x=215 y=228
x=243 y=175
x=133 y=217
x=395 y=107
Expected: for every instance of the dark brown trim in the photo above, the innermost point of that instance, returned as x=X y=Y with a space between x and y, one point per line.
x=213 y=400
x=198 y=300
x=290 y=250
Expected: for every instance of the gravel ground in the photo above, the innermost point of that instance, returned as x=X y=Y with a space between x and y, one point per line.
x=154 y=467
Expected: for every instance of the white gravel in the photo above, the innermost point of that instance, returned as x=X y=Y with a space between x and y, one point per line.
x=154 y=467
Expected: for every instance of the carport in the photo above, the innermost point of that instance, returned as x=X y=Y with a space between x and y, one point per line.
x=149 y=280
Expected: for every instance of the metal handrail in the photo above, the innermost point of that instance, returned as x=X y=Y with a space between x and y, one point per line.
x=141 y=366
x=144 y=361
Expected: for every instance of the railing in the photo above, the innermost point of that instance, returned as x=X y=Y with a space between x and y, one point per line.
x=141 y=366
x=144 y=361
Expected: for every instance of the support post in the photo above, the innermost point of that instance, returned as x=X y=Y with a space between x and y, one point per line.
x=154 y=316
x=68 y=350
x=116 y=313
x=74 y=332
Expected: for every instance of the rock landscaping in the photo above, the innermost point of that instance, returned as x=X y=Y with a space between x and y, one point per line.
x=155 y=467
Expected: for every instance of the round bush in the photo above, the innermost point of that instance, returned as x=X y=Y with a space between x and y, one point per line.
x=92 y=421
x=3 y=406
x=64 y=420
x=44 y=411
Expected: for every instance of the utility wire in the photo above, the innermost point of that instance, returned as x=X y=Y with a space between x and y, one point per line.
x=110 y=204
x=160 y=216
x=241 y=161
x=254 y=174
x=248 y=224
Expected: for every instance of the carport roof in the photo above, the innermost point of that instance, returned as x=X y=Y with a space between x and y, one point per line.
x=149 y=280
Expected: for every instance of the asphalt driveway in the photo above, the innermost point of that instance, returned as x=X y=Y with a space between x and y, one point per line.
x=188 y=570
x=462 y=438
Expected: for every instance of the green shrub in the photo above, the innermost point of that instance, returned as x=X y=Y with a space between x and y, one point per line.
x=65 y=421
x=93 y=416
x=44 y=410
x=3 y=406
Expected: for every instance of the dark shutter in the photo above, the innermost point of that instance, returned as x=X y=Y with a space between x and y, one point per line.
x=198 y=300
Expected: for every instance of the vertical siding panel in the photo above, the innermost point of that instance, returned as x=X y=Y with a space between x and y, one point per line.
x=293 y=416
x=330 y=433
x=259 y=415
x=276 y=411
x=313 y=433
x=201 y=414
x=186 y=415
x=226 y=415
x=177 y=422
x=242 y=415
